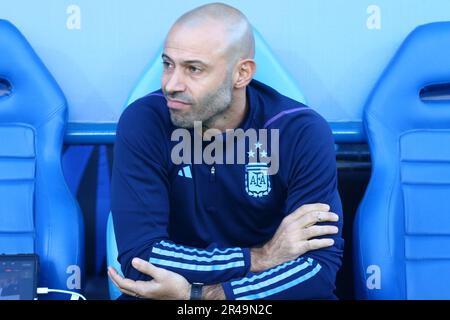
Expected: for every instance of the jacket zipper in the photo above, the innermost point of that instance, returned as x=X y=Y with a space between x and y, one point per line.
x=212 y=177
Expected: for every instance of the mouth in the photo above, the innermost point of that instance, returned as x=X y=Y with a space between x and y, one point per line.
x=177 y=104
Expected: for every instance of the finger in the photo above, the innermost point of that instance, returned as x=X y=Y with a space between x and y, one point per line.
x=122 y=283
x=118 y=286
x=299 y=212
x=113 y=275
x=317 y=231
x=146 y=268
x=315 y=244
x=133 y=294
x=316 y=216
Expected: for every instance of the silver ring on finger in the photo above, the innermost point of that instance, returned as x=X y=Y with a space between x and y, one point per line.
x=319 y=218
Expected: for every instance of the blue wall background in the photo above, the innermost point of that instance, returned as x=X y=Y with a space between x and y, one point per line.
x=335 y=49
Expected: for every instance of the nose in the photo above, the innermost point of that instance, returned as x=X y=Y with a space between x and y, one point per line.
x=174 y=82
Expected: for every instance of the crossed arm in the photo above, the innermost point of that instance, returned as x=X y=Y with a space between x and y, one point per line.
x=297 y=235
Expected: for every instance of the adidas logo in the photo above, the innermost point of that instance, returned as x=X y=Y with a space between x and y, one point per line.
x=185 y=172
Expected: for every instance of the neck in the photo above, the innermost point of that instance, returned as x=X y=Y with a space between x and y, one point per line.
x=232 y=117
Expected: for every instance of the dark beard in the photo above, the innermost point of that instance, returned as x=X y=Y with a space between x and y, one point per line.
x=212 y=107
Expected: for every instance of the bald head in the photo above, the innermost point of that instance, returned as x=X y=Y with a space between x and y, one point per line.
x=208 y=62
x=224 y=22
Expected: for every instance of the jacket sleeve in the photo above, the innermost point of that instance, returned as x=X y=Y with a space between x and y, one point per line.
x=140 y=207
x=312 y=178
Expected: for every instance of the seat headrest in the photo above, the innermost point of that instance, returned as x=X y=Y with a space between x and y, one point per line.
x=30 y=94
x=269 y=71
x=422 y=60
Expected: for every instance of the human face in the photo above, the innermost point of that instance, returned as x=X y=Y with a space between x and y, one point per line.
x=197 y=79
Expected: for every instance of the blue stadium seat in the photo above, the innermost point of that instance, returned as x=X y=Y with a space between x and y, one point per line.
x=402 y=228
x=269 y=71
x=38 y=214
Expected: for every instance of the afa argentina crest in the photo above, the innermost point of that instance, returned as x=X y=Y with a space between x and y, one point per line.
x=257 y=179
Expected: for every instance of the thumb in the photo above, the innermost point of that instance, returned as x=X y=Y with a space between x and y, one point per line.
x=146 y=267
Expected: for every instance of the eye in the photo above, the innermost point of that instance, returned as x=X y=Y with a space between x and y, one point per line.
x=194 y=69
x=167 y=65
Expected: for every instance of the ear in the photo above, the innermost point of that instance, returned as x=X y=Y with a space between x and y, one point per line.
x=244 y=73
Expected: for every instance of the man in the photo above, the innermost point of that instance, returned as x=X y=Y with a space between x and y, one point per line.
x=223 y=230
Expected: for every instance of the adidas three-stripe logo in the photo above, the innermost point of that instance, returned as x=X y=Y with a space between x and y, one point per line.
x=185 y=172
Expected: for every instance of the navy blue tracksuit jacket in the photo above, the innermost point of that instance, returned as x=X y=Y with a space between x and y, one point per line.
x=200 y=220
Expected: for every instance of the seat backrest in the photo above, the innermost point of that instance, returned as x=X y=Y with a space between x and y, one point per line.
x=402 y=227
x=37 y=211
x=269 y=71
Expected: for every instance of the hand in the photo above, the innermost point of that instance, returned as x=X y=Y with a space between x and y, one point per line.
x=294 y=237
x=166 y=285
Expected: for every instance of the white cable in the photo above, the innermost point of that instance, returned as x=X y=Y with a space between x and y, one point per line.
x=74 y=295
